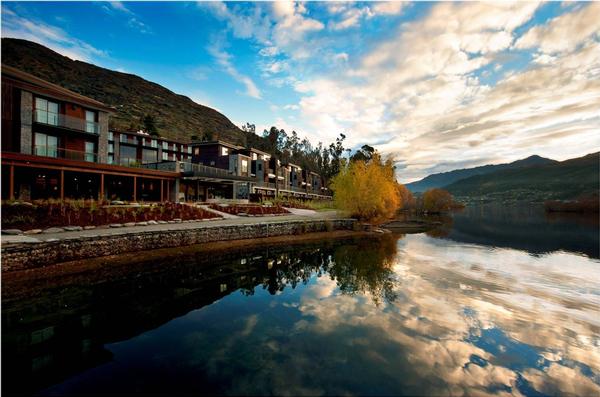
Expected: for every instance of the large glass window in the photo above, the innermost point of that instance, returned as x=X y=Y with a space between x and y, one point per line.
x=111 y=136
x=224 y=151
x=189 y=150
x=89 y=152
x=127 y=155
x=149 y=156
x=244 y=166
x=90 y=122
x=165 y=145
x=154 y=143
x=123 y=138
x=111 y=148
x=46 y=145
x=46 y=111
x=165 y=156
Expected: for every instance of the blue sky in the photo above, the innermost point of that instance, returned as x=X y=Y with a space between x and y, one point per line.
x=436 y=85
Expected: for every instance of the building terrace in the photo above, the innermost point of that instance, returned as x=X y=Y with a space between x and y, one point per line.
x=57 y=144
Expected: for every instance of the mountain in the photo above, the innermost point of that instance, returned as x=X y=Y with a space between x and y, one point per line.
x=446 y=178
x=567 y=179
x=176 y=116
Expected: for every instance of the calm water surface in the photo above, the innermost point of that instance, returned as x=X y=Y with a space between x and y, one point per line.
x=496 y=302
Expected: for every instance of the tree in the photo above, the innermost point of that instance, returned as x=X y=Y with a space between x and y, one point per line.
x=150 y=125
x=368 y=191
x=437 y=200
x=365 y=153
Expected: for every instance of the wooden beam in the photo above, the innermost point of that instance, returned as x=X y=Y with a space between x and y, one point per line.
x=135 y=188
x=62 y=185
x=101 y=187
x=11 y=187
x=162 y=197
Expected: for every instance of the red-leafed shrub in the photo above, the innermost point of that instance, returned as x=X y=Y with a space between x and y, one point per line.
x=42 y=214
x=250 y=209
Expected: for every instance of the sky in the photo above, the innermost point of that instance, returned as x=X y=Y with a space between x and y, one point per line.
x=437 y=86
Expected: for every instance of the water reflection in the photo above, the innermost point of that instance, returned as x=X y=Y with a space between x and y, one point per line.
x=404 y=315
x=523 y=227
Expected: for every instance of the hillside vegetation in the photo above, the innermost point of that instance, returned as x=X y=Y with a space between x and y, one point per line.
x=446 y=178
x=132 y=97
x=567 y=179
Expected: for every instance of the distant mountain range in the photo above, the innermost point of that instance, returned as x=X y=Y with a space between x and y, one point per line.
x=446 y=178
x=132 y=97
x=532 y=179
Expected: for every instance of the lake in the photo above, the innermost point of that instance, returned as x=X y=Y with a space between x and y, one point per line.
x=496 y=301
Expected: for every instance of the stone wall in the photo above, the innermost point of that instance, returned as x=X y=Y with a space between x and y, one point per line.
x=26 y=122
x=103 y=138
x=32 y=255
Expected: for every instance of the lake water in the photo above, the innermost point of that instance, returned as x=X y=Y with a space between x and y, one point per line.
x=496 y=301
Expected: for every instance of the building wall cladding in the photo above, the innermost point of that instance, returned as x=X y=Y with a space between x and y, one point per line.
x=34 y=255
x=26 y=121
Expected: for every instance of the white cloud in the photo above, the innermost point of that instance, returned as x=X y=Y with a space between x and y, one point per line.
x=564 y=32
x=224 y=60
x=133 y=21
x=14 y=25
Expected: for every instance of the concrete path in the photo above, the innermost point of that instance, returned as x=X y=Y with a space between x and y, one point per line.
x=104 y=230
x=224 y=215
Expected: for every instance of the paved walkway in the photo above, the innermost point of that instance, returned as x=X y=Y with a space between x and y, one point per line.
x=237 y=220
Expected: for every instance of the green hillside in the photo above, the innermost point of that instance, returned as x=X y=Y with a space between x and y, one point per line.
x=177 y=116
x=561 y=180
x=446 y=178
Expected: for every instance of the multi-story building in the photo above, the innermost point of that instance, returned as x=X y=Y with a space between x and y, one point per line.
x=57 y=144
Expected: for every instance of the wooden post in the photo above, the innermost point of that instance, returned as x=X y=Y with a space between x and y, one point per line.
x=168 y=190
x=62 y=185
x=162 y=196
x=197 y=190
x=11 y=187
x=101 y=187
x=135 y=188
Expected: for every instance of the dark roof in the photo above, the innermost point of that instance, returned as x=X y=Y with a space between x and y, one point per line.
x=160 y=138
x=219 y=142
x=32 y=83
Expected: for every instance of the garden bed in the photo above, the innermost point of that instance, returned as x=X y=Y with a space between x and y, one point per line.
x=44 y=214
x=249 y=209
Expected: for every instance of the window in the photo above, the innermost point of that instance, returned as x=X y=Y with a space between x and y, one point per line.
x=259 y=166
x=189 y=150
x=149 y=156
x=165 y=156
x=46 y=145
x=127 y=155
x=111 y=159
x=90 y=122
x=244 y=166
x=89 y=152
x=174 y=157
x=154 y=143
x=224 y=151
x=111 y=136
x=123 y=138
x=111 y=148
x=46 y=111
x=165 y=145
x=197 y=151
x=254 y=156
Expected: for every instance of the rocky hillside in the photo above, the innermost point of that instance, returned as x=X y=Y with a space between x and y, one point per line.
x=176 y=116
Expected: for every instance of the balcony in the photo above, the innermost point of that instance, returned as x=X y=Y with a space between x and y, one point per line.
x=64 y=121
x=59 y=153
x=192 y=169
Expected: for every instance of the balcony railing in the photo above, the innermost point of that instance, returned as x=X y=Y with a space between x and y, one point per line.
x=62 y=120
x=53 y=151
x=210 y=172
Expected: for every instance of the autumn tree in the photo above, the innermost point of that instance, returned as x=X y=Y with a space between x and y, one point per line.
x=367 y=190
x=437 y=200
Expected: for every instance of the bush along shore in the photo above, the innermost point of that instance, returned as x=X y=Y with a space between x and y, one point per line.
x=78 y=214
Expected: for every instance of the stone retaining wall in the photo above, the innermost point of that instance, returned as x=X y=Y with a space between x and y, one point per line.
x=32 y=255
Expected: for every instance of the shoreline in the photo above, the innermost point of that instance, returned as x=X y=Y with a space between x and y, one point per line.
x=31 y=282
x=85 y=246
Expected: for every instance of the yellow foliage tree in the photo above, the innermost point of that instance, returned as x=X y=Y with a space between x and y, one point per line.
x=437 y=200
x=367 y=190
